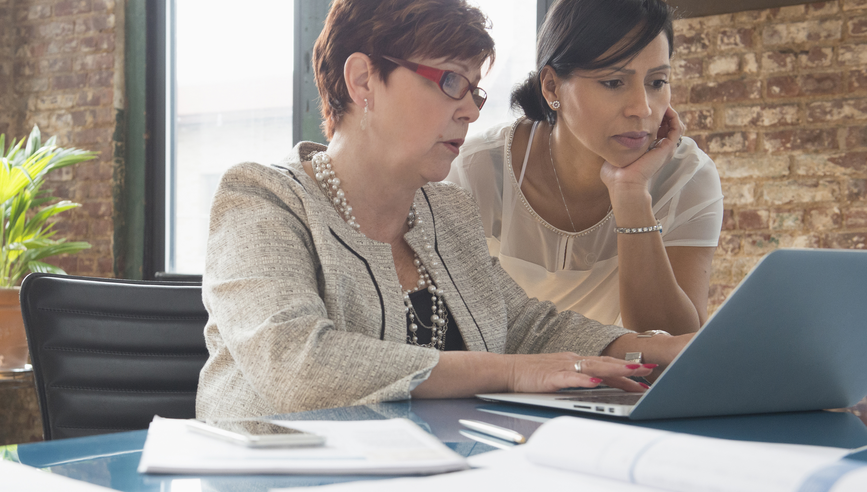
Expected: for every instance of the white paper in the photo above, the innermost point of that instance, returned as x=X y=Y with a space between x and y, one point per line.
x=395 y=446
x=674 y=461
x=20 y=478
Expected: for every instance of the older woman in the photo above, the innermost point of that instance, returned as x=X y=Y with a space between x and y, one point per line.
x=574 y=207
x=346 y=275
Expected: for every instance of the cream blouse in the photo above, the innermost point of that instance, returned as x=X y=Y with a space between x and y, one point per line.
x=578 y=271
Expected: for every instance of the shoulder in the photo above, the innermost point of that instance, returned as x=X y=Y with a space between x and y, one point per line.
x=689 y=168
x=482 y=157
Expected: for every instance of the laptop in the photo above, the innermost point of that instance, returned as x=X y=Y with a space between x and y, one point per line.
x=791 y=337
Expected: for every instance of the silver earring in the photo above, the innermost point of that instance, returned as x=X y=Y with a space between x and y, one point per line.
x=364 y=118
x=555 y=105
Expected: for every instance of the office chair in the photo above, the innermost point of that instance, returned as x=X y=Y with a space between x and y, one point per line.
x=110 y=354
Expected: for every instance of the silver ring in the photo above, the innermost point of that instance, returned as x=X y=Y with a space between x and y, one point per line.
x=678 y=141
x=578 y=365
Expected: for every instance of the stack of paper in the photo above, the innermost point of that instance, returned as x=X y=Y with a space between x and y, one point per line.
x=370 y=447
x=569 y=453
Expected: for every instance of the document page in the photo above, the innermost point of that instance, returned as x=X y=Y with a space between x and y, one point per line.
x=673 y=461
x=389 y=447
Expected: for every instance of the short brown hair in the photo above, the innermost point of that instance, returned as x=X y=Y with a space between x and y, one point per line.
x=400 y=28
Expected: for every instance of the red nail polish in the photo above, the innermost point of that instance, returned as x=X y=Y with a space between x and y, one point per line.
x=595 y=380
x=633 y=366
x=651 y=366
x=645 y=386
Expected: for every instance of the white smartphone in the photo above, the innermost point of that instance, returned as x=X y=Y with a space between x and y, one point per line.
x=255 y=433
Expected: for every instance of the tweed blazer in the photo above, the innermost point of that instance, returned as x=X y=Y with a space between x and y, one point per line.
x=307 y=313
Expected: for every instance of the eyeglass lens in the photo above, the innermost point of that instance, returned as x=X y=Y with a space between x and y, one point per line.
x=456 y=85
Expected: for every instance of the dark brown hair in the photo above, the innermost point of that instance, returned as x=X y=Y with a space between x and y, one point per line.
x=575 y=35
x=448 y=29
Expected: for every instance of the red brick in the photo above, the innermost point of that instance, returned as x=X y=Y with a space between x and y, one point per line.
x=807 y=31
x=73 y=81
x=856 y=161
x=731 y=142
x=856 y=190
x=822 y=8
x=858 y=26
x=100 y=5
x=837 y=110
x=34 y=12
x=857 y=80
x=53 y=30
x=824 y=219
x=55 y=65
x=817 y=56
x=728 y=91
x=679 y=95
x=729 y=222
x=699 y=119
x=94 y=23
x=98 y=42
x=687 y=68
x=735 y=38
x=856 y=137
x=854 y=4
x=753 y=219
x=729 y=244
x=783 y=86
x=95 y=97
x=92 y=136
x=786 y=219
x=855 y=218
x=693 y=43
x=851 y=240
x=100 y=61
x=818 y=139
x=71 y=7
x=822 y=83
x=100 y=79
x=67 y=45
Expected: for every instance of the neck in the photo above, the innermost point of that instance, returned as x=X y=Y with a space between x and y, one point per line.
x=578 y=168
x=380 y=203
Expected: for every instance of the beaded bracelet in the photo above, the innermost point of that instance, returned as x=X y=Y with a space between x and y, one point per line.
x=636 y=230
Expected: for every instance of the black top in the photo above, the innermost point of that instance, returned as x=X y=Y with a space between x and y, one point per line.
x=420 y=300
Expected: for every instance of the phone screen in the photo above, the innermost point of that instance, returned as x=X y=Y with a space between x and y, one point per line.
x=252 y=427
x=255 y=432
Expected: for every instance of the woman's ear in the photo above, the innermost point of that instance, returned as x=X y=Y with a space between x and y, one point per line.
x=550 y=84
x=357 y=72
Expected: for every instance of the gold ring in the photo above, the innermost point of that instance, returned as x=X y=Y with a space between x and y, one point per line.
x=578 y=366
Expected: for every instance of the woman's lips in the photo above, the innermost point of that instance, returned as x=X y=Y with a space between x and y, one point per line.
x=632 y=140
x=454 y=145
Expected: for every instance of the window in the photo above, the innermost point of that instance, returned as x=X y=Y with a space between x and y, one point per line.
x=229 y=98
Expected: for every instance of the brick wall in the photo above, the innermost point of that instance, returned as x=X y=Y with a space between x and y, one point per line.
x=61 y=67
x=778 y=98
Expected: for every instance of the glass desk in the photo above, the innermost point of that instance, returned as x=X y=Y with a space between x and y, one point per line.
x=110 y=460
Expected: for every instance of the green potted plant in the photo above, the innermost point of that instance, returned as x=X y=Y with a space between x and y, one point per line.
x=26 y=234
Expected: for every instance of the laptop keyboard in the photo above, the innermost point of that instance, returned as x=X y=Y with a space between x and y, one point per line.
x=619 y=399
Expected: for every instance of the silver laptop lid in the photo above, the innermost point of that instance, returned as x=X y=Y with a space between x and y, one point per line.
x=792 y=336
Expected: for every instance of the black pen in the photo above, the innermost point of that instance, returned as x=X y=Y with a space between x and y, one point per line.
x=493 y=431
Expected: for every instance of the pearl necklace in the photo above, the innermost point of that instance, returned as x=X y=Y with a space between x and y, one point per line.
x=330 y=184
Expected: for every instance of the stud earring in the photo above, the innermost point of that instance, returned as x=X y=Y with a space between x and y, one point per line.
x=364 y=118
x=555 y=105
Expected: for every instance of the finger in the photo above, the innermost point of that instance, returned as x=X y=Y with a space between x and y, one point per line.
x=600 y=368
x=626 y=384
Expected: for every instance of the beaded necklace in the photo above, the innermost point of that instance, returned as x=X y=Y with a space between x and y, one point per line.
x=331 y=185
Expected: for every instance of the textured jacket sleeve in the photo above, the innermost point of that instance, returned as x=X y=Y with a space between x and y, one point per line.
x=273 y=347
x=537 y=327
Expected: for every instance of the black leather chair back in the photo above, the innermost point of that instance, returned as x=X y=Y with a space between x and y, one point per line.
x=110 y=354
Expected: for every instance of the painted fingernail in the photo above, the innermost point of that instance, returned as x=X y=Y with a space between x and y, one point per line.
x=595 y=380
x=645 y=386
x=633 y=366
x=651 y=366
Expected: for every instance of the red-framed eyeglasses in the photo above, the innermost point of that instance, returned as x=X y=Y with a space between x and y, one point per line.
x=451 y=83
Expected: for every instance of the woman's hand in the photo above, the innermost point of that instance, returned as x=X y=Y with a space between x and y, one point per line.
x=636 y=176
x=546 y=373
